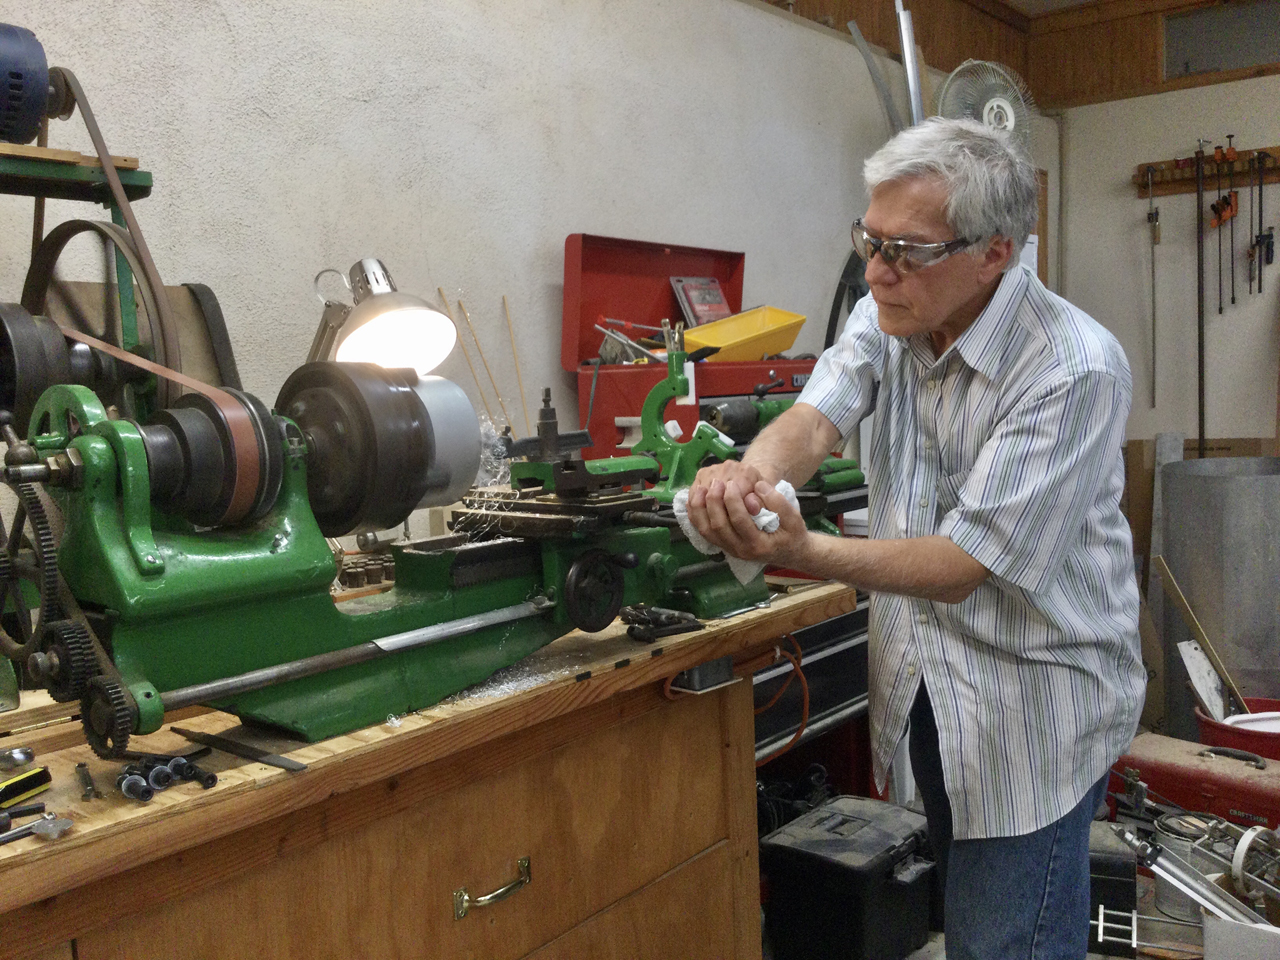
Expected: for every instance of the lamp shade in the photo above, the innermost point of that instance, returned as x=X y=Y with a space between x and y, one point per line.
x=396 y=329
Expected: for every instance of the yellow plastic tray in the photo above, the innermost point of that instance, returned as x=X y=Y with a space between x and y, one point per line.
x=750 y=335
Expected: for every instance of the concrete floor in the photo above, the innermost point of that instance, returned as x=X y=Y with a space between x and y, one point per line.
x=935 y=949
x=1173 y=935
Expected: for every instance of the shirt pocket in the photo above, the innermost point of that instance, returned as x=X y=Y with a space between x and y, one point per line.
x=949 y=491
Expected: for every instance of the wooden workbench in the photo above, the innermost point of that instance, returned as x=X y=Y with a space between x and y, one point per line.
x=637 y=813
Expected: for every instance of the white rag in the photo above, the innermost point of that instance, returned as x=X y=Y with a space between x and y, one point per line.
x=766 y=520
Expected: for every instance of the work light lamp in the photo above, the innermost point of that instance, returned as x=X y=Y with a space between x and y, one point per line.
x=382 y=325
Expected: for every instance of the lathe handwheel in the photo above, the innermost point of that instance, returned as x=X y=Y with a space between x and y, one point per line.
x=107 y=718
x=593 y=591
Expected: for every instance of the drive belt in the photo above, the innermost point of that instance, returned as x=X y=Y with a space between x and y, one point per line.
x=244 y=437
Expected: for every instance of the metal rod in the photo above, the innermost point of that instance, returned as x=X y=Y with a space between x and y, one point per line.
x=1153 y=219
x=1217 y=168
x=360 y=653
x=1262 y=167
x=1231 y=201
x=1252 y=251
x=908 y=38
x=1200 y=295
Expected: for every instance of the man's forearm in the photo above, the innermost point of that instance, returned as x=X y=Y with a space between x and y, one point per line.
x=793 y=446
x=931 y=568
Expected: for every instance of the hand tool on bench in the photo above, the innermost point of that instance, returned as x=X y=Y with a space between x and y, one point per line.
x=16 y=757
x=24 y=786
x=235 y=748
x=26 y=810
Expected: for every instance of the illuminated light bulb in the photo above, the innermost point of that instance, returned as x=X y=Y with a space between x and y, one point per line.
x=416 y=337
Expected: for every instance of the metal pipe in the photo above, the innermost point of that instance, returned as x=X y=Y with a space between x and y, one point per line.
x=890 y=109
x=1217 y=167
x=1200 y=293
x=909 y=62
x=1263 y=156
x=1231 y=202
x=1153 y=218
x=1186 y=878
x=360 y=653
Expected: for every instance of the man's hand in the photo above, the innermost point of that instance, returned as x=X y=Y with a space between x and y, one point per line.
x=722 y=514
x=744 y=477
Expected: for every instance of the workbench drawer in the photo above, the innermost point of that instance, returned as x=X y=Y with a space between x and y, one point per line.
x=599 y=817
x=671 y=917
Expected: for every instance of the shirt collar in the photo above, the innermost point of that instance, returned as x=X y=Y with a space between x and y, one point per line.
x=982 y=345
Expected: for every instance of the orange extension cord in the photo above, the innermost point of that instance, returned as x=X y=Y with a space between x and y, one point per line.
x=747 y=668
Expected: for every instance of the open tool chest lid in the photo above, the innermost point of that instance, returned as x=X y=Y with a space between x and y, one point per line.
x=631 y=280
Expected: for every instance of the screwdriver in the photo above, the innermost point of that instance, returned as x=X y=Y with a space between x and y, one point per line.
x=24 y=786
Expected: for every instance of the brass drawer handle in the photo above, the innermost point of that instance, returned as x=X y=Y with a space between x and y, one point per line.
x=463 y=901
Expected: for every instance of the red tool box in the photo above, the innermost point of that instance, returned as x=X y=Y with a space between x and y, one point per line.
x=1195 y=779
x=631 y=280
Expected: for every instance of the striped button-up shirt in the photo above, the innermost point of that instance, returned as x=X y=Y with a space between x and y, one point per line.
x=1008 y=444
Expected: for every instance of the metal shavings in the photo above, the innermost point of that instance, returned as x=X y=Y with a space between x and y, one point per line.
x=520 y=677
x=494 y=467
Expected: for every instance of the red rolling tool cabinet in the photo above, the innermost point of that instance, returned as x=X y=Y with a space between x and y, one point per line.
x=631 y=280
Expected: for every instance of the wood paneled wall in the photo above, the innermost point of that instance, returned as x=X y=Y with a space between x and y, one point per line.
x=1107 y=50
x=948 y=31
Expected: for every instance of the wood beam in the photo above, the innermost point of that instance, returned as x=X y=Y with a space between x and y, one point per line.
x=1104 y=11
x=1003 y=12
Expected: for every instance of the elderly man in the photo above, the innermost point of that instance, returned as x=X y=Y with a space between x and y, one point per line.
x=1004 y=609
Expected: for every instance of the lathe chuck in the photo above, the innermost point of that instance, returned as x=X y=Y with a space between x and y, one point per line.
x=380 y=443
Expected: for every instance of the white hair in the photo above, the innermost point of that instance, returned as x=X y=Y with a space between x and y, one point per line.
x=991 y=184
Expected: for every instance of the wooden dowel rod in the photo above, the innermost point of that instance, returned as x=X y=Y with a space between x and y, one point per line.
x=1175 y=594
x=480 y=350
x=516 y=356
x=462 y=343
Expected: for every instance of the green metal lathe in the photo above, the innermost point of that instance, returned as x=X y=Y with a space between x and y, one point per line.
x=170 y=548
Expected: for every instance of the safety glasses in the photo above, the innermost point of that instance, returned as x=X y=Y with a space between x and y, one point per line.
x=902 y=254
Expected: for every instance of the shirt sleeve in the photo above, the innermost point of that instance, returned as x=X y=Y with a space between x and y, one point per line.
x=1023 y=506
x=846 y=377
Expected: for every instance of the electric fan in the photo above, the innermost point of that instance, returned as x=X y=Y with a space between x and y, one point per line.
x=990 y=93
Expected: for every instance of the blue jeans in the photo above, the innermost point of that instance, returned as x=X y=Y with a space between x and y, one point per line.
x=1007 y=898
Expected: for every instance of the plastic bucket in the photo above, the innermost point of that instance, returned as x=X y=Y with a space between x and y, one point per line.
x=1261 y=742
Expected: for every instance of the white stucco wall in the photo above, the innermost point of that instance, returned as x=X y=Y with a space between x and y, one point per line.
x=461 y=141
x=1107 y=256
